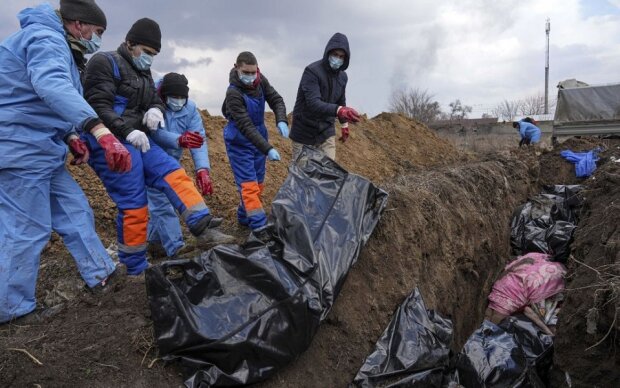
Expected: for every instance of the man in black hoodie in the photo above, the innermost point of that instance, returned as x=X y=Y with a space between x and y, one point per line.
x=321 y=98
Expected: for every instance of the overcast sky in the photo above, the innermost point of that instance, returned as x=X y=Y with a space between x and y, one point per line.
x=480 y=51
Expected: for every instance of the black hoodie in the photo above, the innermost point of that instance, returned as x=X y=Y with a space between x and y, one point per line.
x=321 y=91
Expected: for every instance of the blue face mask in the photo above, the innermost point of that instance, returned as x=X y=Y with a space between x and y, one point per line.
x=143 y=62
x=247 y=79
x=91 y=45
x=335 y=62
x=175 y=104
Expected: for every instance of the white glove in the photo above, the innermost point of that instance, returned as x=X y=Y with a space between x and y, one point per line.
x=139 y=140
x=153 y=119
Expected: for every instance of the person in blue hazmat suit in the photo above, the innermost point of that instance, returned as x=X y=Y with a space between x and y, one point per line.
x=530 y=133
x=41 y=104
x=246 y=139
x=119 y=86
x=321 y=98
x=183 y=130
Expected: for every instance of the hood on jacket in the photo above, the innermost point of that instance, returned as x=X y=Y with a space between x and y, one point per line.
x=338 y=41
x=42 y=14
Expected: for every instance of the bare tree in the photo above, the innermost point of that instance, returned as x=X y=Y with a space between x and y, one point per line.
x=533 y=105
x=458 y=110
x=416 y=104
x=507 y=110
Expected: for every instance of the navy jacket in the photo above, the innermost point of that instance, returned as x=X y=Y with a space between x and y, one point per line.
x=321 y=91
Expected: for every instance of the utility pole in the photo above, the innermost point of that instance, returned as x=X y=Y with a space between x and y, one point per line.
x=547 y=30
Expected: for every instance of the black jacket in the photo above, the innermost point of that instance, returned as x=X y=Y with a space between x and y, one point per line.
x=234 y=108
x=321 y=91
x=137 y=86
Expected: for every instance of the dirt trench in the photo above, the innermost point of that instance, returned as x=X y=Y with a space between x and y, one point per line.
x=446 y=230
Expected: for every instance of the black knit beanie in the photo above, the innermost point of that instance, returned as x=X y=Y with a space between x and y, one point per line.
x=145 y=31
x=85 y=11
x=174 y=84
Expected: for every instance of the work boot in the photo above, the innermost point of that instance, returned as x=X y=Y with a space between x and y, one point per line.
x=214 y=236
x=207 y=221
x=36 y=316
x=156 y=250
x=262 y=234
x=110 y=283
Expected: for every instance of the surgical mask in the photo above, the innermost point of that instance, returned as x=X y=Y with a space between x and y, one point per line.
x=335 y=62
x=143 y=62
x=247 y=79
x=91 y=45
x=175 y=104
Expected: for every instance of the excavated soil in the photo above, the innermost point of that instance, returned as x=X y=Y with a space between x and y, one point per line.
x=446 y=230
x=588 y=341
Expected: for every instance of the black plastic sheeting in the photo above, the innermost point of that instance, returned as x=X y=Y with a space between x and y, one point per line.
x=513 y=354
x=236 y=314
x=413 y=351
x=546 y=223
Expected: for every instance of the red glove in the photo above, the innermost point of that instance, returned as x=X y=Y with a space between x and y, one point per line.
x=203 y=181
x=79 y=151
x=117 y=156
x=349 y=115
x=345 y=134
x=190 y=140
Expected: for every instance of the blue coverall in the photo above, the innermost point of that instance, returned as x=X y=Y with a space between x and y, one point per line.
x=164 y=226
x=529 y=131
x=40 y=103
x=248 y=164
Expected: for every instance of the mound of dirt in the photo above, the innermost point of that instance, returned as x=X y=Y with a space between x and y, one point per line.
x=589 y=323
x=107 y=341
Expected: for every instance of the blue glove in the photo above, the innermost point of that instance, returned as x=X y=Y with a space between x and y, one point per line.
x=273 y=154
x=283 y=128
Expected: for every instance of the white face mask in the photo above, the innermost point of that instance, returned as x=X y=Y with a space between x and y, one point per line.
x=175 y=104
x=335 y=62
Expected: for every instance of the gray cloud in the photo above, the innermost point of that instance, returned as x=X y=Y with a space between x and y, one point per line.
x=455 y=49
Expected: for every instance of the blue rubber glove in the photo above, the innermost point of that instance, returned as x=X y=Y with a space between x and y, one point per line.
x=283 y=128
x=273 y=155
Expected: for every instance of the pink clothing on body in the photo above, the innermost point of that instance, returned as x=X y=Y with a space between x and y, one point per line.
x=526 y=283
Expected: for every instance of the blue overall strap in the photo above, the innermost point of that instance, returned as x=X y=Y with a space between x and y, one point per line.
x=120 y=102
x=115 y=70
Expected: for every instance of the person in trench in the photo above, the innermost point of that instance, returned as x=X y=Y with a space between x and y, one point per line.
x=41 y=105
x=119 y=86
x=246 y=138
x=321 y=98
x=183 y=130
x=529 y=133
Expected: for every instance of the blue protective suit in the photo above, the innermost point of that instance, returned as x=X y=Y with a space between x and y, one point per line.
x=164 y=226
x=585 y=162
x=248 y=163
x=40 y=103
x=529 y=131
